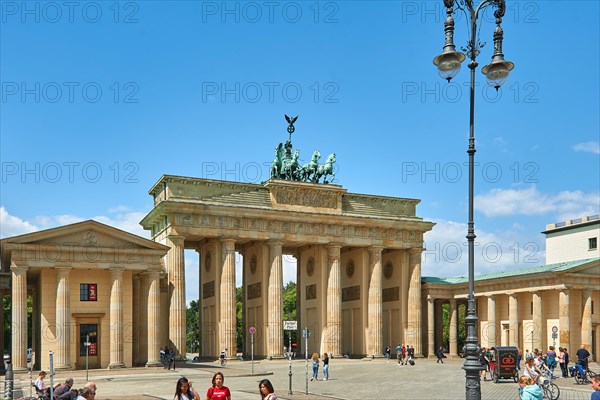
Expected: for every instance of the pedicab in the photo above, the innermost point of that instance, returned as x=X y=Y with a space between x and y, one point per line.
x=506 y=363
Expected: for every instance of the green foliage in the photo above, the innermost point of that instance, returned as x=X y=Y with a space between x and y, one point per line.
x=6 y=327
x=289 y=310
x=462 y=329
x=239 y=299
x=192 y=330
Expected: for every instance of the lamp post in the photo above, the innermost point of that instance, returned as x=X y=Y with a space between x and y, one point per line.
x=496 y=71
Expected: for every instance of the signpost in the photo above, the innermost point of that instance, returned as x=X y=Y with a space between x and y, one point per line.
x=554 y=335
x=252 y=331
x=51 y=375
x=290 y=326
x=306 y=335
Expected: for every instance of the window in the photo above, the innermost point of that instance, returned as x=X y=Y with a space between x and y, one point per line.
x=88 y=292
x=88 y=331
x=592 y=243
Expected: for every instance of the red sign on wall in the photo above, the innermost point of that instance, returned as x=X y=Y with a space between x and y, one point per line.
x=93 y=349
x=92 y=291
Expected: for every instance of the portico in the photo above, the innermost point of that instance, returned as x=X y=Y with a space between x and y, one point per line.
x=358 y=258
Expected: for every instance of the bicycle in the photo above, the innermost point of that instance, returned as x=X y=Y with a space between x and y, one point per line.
x=550 y=390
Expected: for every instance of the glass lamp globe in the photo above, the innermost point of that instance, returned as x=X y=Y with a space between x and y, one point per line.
x=448 y=64
x=497 y=72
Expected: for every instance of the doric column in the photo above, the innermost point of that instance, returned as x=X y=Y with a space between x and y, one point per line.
x=143 y=318
x=333 y=340
x=439 y=324
x=513 y=320
x=275 y=301
x=430 y=327
x=19 y=317
x=563 y=319
x=63 y=319
x=116 y=318
x=452 y=329
x=176 y=269
x=228 y=328
x=201 y=348
x=537 y=327
x=491 y=322
x=153 y=326
x=586 y=320
x=136 y=297
x=375 y=308
x=414 y=300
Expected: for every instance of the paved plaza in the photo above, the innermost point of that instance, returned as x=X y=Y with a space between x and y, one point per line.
x=349 y=379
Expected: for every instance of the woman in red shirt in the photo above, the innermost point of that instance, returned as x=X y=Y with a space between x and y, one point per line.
x=217 y=391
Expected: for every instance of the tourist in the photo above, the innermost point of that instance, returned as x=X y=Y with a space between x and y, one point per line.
x=185 y=391
x=325 y=366
x=171 y=356
x=566 y=359
x=266 y=390
x=88 y=393
x=530 y=370
x=596 y=387
x=483 y=360
x=582 y=356
x=315 y=366
x=551 y=359
x=440 y=355
x=529 y=389
x=40 y=384
x=399 y=353
x=217 y=391
x=519 y=358
x=388 y=353
x=64 y=388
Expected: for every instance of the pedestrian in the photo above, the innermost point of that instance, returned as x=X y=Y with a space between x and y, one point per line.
x=266 y=390
x=596 y=387
x=440 y=355
x=325 y=366
x=64 y=388
x=315 y=366
x=40 y=384
x=87 y=393
x=519 y=358
x=404 y=348
x=410 y=355
x=582 y=356
x=529 y=390
x=217 y=391
x=399 y=353
x=551 y=358
x=492 y=359
x=388 y=353
x=171 y=356
x=484 y=363
x=528 y=355
x=566 y=358
x=185 y=391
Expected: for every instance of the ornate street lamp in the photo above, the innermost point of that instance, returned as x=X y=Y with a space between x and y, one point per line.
x=496 y=71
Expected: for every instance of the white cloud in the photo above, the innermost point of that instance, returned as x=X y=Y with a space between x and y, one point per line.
x=446 y=253
x=587 y=147
x=13 y=226
x=530 y=201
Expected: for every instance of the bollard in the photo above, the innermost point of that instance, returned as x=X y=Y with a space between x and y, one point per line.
x=9 y=377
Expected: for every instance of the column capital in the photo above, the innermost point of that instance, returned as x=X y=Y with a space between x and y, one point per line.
x=430 y=298
x=491 y=296
x=177 y=240
x=18 y=268
x=228 y=243
x=333 y=251
x=63 y=268
x=415 y=250
x=275 y=242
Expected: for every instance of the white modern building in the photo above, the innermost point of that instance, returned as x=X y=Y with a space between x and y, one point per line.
x=575 y=239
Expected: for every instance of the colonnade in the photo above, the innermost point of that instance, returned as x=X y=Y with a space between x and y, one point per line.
x=505 y=319
x=224 y=280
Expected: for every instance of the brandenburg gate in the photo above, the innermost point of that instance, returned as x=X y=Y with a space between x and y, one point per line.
x=358 y=260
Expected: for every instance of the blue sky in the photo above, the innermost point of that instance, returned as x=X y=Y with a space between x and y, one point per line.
x=99 y=99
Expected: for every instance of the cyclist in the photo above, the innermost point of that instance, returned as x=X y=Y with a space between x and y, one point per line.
x=529 y=390
x=223 y=357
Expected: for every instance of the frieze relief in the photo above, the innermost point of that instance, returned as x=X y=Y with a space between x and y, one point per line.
x=307 y=199
x=391 y=294
x=208 y=290
x=254 y=290
x=351 y=293
x=408 y=238
x=311 y=292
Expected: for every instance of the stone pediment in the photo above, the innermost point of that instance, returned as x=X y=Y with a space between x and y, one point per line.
x=90 y=241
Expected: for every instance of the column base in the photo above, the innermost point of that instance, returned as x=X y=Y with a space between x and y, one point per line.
x=20 y=369
x=153 y=364
x=116 y=365
x=65 y=367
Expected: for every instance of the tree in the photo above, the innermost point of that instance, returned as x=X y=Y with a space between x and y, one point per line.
x=289 y=309
x=192 y=329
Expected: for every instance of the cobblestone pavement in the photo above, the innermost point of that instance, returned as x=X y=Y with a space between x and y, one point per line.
x=349 y=380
